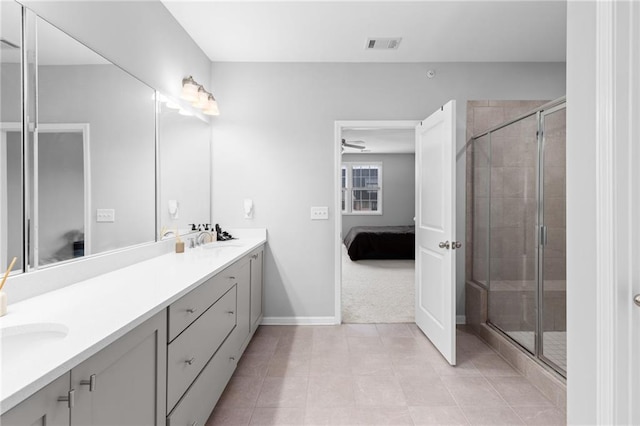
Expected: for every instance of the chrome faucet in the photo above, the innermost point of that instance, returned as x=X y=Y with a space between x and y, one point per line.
x=203 y=237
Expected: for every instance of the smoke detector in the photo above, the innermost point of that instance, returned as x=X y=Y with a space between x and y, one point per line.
x=380 y=43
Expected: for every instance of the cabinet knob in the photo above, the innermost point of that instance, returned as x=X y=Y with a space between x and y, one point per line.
x=190 y=361
x=91 y=383
x=70 y=399
x=191 y=310
x=254 y=257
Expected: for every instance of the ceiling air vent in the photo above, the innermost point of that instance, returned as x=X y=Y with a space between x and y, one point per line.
x=6 y=44
x=383 y=43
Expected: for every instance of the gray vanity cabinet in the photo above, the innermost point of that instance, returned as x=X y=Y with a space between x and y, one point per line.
x=123 y=384
x=43 y=408
x=256 y=288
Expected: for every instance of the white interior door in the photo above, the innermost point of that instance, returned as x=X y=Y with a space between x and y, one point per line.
x=435 y=229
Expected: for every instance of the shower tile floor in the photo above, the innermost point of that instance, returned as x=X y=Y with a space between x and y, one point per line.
x=554 y=344
x=376 y=374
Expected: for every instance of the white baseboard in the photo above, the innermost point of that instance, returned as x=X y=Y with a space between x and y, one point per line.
x=299 y=321
x=460 y=319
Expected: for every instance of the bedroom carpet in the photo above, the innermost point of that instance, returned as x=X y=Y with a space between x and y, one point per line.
x=377 y=291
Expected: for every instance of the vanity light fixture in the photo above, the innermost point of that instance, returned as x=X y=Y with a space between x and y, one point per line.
x=199 y=97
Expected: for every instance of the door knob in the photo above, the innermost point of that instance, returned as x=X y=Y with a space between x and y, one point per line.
x=444 y=245
x=456 y=245
x=636 y=299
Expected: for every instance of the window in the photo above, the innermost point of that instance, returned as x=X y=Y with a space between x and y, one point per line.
x=361 y=188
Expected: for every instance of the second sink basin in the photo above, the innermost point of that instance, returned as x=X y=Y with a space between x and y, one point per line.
x=18 y=341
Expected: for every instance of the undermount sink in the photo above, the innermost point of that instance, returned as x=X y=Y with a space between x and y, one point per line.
x=18 y=340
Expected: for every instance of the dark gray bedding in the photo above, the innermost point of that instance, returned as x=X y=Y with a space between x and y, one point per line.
x=381 y=242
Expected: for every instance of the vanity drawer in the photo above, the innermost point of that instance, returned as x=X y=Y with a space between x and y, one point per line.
x=186 y=310
x=197 y=404
x=192 y=349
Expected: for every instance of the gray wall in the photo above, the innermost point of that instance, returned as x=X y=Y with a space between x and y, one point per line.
x=274 y=142
x=398 y=191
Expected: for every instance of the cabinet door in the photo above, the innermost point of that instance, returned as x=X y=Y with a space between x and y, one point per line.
x=256 y=289
x=241 y=333
x=125 y=383
x=42 y=408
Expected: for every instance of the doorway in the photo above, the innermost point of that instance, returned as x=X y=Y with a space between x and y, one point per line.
x=375 y=195
x=59 y=175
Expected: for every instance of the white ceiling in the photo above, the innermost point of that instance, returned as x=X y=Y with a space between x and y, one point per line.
x=381 y=141
x=336 y=31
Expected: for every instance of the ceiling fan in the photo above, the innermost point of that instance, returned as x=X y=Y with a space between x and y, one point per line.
x=357 y=144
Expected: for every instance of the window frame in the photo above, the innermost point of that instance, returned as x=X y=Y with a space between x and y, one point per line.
x=347 y=190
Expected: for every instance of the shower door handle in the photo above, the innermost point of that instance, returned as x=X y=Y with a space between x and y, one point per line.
x=543 y=235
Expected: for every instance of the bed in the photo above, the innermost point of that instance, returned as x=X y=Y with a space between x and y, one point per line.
x=381 y=242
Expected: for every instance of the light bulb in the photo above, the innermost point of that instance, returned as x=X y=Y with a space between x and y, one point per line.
x=189 y=89
x=202 y=99
x=212 y=106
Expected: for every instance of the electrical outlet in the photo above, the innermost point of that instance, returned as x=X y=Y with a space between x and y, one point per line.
x=105 y=215
x=319 y=213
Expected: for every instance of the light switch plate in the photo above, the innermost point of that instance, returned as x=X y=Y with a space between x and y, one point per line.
x=105 y=215
x=319 y=213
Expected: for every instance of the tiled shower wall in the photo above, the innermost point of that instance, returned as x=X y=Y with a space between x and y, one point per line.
x=511 y=174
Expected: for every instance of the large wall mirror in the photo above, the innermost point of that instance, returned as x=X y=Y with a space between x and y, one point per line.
x=184 y=142
x=90 y=163
x=11 y=211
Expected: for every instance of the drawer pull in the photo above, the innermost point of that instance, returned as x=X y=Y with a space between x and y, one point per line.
x=190 y=361
x=91 y=383
x=194 y=424
x=191 y=310
x=232 y=278
x=230 y=312
x=232 y=358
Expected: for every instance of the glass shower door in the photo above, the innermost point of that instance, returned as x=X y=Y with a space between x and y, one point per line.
x=513 y=240
x=552 y=336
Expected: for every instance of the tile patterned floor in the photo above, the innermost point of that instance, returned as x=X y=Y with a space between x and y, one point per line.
x=368 y=374
x=555 y=344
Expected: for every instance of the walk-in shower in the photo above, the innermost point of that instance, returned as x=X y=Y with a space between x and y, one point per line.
x=518 y=223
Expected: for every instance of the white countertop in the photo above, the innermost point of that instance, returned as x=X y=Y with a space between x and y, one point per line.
x=100 y=310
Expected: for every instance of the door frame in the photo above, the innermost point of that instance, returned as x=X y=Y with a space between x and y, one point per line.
x=84 y=129
x=337 y=164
